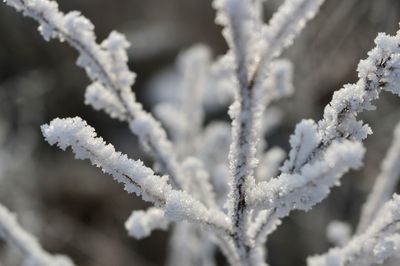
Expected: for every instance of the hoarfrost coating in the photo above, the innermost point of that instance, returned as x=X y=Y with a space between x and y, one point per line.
x=218 y=194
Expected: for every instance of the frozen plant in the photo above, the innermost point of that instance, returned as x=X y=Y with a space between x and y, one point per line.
x=185 y=186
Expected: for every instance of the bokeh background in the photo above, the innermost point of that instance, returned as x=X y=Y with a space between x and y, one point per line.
x=75 y=209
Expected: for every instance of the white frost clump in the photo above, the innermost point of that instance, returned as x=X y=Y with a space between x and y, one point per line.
x=101 y=98
x=303 y=142
x=338 y=232
x=17 y=237
x=141 y=223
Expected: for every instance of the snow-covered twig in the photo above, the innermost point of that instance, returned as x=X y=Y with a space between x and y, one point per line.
x=253 y=54
x=75 y=133
x=14 y=235
x=377 y=236
x=137 y=178
x=304 y=189
x=106 y=65
x=286 y=24
x=141 y=223
x=385 y=183
x=269 y=164
x=339 y=123
x=380 y=241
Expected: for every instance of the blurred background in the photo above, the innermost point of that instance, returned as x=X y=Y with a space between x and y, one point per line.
x=75 y=209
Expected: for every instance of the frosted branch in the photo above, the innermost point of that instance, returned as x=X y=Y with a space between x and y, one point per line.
x=301 y=191
x=181 y=206
x=138 y=179
x=340 y=119
x=106 y=65
x=17 y=237
x=100 y=98
x=154 y=139
x=304 y=141
x=243 y=34
x=385 y=183
x=287 y=23
x=284 y=26
x=380 y=241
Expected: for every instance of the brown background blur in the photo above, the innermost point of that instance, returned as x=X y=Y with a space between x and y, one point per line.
x=74 y=209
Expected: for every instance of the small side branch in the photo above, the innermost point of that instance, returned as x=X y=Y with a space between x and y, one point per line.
x=385 y=184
